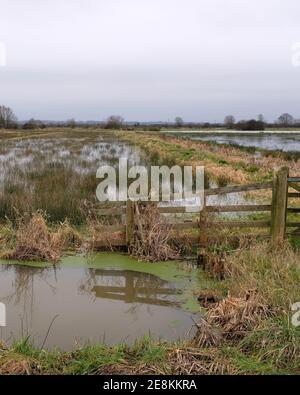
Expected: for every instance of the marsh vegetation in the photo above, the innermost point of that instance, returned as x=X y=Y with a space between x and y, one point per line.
x=56 y=172
x=245 y=289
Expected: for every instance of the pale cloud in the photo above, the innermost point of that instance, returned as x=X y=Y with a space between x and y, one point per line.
x=149 y=59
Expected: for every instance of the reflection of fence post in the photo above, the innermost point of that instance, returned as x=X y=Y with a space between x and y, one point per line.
x=279 y=205
x=129 y=222
x=203 y=237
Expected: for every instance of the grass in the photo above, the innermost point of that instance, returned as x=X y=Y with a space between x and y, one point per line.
x=224 y=163
x=55 y=171
x=24 y=358
x=251 y=326
x=34 y=240
x=247 y=331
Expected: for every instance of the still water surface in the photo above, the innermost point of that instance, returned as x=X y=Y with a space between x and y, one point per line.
x=109 y=298
x=269 y=141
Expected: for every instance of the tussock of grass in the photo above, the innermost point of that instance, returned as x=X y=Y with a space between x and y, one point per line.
x=35 y=241
x=237 y=315
x=152 y=238
x=248 y=331
x=91 y=359
x=254 y=319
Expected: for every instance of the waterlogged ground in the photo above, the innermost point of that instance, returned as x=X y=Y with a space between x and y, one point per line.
x=56 y=171
x=284 y=141
x=101 y=298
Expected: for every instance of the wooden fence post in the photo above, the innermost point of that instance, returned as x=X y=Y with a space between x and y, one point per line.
x=129 y=222
x=279 y=205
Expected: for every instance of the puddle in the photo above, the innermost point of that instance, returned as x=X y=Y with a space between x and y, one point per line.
x=104 y=298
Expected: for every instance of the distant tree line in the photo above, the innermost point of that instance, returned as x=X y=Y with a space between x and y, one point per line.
x=284 y=121
x=8 y=120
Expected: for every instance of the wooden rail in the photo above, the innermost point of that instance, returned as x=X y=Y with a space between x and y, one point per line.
x=238 y=188
x=294 y=195
x=238 y=208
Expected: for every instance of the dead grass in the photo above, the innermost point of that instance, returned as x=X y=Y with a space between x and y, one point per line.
x=17 y=366
x=195 y=361
x=35 y=241
x=263 y=283
x=230 y=319
x=99 y=237
x=152 y=236
x=224 y=163
x=274 y=274
x=235 y=316
x=208 y=297
x=177 y=359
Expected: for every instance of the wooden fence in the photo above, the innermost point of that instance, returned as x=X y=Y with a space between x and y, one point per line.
x=278 y=208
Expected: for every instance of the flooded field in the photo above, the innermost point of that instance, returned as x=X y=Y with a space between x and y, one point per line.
x=269 y=141
x=104 y=298
x=56 y=173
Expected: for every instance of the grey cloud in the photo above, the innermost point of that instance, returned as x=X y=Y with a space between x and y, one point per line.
x=149 y=60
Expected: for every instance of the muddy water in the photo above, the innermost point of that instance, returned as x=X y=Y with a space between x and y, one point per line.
x=105 y=298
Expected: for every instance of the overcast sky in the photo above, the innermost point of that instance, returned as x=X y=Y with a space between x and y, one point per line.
x=150 y=59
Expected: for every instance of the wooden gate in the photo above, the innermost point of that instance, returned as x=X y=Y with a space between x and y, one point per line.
x=277 y=223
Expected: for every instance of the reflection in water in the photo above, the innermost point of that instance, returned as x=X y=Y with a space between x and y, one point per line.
x=22 y=292
x=91 y=304
x=130 y=287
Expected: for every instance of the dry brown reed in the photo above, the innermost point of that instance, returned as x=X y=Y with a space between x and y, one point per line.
x=36 y=241
x=153 y=235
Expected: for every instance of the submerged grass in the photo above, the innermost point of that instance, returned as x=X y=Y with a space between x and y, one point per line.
x=55 y=171
x=246 y=326
x=223 y=163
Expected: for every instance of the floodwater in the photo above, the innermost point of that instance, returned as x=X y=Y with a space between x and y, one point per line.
x=269 y=141
x=104 y=298
x=24 y=163
x=81 y=154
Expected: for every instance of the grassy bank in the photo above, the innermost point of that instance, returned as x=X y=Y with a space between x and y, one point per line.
x=249 y=331
x=145 y=357
x=224 y=164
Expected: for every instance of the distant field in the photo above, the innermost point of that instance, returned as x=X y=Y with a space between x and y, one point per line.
x=270 y=140
x=229 y=131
